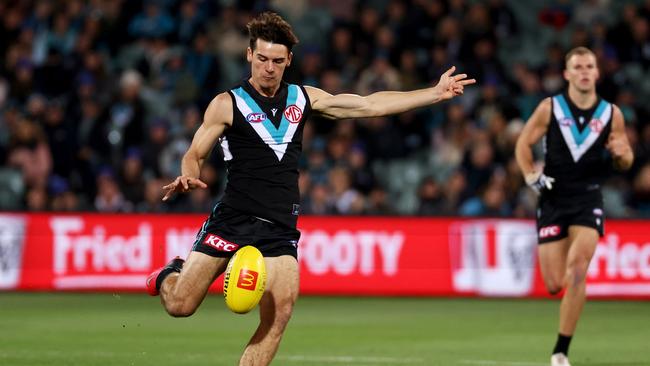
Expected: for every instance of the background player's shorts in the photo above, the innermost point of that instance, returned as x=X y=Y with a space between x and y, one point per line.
x=553 y=221
x=227 y=230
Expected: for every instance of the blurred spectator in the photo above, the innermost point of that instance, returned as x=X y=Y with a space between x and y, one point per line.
x=152 y=22
x=109 y=196
x=347 y=200
x=90 y=87
x=430 y=196
x=152 y=192
x=29 y=151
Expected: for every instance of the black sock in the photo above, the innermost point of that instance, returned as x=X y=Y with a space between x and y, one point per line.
x=175 y=266
x=562 y=344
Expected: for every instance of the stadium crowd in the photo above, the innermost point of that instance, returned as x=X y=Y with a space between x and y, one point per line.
x=99 y=99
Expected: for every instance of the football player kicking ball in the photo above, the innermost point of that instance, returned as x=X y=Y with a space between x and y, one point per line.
x=577 y=126
x=259 y=126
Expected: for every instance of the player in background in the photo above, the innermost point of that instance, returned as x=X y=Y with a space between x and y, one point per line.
x=578 y=128
x=259 y=125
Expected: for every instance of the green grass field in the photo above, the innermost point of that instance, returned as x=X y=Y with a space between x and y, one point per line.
x=129 y=329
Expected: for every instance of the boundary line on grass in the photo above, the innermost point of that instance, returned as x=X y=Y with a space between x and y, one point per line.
x=352 y=359
x=501 y=363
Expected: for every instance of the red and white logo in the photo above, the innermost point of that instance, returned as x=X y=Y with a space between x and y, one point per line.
x=492 y=258
x=596 y=125
x=219 y=243
x=293 y=113
x=549 y=231
x=247 y=279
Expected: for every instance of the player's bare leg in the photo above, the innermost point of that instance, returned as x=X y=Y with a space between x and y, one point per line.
x=583 y=245
x=552 y=262
x=276 y=307
x=182 y=293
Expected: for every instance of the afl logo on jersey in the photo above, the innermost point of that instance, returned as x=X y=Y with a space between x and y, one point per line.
x=256 y=117
x=596 y=125
x=566 y=121
x=293 y=114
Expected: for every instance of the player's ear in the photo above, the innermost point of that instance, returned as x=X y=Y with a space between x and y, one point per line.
x=249 y=54
x=289 y=59
x=565 y=73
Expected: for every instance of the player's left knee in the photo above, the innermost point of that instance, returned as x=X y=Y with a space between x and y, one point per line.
x=577 y=271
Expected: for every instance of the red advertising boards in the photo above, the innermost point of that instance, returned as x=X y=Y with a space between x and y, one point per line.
x=338 y=255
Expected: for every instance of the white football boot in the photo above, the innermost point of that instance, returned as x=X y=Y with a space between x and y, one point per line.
x=560 y=359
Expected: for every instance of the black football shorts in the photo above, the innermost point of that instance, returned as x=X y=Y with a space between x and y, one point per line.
x=553 y=221
x=227 y=230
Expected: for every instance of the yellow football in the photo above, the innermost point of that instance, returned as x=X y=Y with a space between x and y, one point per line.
x=245 y=279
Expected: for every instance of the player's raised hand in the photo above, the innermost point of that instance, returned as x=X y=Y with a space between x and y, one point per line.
x=451 y=85
x=182 y=184
x=617 y=145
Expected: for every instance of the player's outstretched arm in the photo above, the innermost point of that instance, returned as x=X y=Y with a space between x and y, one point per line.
x=533 y=131
x=387 y=102
x=214 y=123
x=618 y=144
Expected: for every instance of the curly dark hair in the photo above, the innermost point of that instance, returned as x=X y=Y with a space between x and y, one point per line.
x=270 y=27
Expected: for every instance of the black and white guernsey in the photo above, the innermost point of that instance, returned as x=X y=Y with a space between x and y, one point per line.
x=574 y=148
x=262 y=148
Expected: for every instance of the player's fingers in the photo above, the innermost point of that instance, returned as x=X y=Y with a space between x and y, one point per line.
x=185 y=184
x=199 y=183
x=167 y=195
x=467 y=82
x=450 y=71
x=459 y=77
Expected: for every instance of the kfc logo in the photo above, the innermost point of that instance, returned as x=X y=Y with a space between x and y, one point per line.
x=293 y=113
x=219 y=243
x=549 y=231
x=247 y=279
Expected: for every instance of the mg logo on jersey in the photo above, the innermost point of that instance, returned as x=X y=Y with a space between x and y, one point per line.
x=247 y=279
x=293 y=114
x=596 y=125
x=256 y=117
x=493 y=258
x=219 y=243
x=549 y=231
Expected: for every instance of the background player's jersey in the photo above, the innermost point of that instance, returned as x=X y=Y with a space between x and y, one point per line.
x=575 y=150
x=262 y=148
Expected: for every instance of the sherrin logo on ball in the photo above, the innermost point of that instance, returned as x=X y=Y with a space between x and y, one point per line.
x=245 y=280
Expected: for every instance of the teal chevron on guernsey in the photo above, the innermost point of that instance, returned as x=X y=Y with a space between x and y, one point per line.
x=277 y=138
x=578 y=141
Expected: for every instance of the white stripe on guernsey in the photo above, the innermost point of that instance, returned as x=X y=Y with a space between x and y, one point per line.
x=278 y=148
x=578 y=151
x=245 y=110
x=227 y=155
